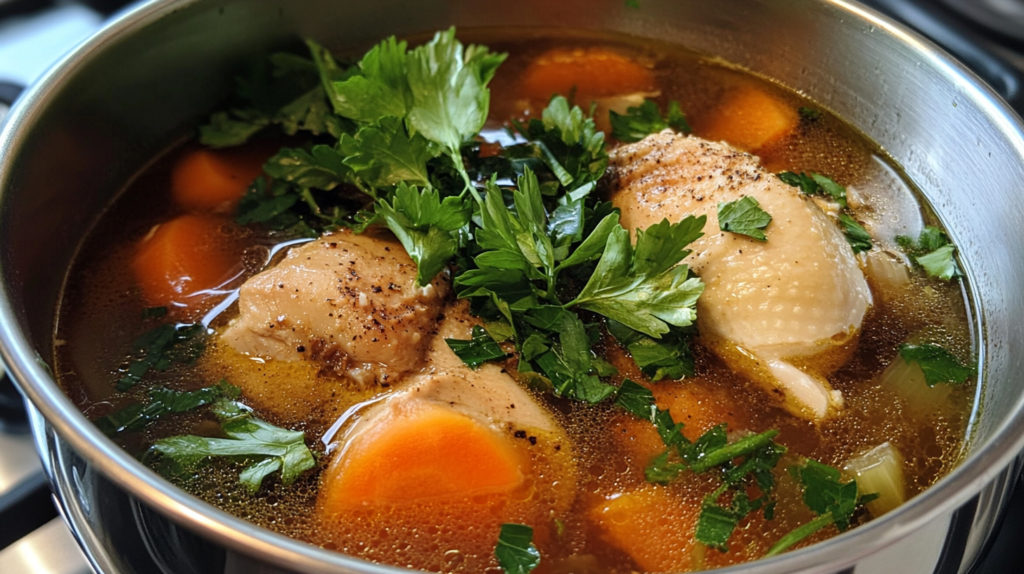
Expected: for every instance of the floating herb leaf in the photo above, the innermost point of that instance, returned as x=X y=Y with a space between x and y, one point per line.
x=515 y=550
x=261 y=447
x=162 y=401
x=938 y=364
x=855 y=233
x=478 y=350
x=160 y=348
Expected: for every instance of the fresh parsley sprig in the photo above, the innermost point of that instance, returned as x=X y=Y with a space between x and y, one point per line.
x=934 y=252
x=645 y=287
x=261 y=447
x=856 y=235
x=646 y=119
x=284 y=91
x=669 y=357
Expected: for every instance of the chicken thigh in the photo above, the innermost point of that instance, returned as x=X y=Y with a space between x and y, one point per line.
x=784 y=312
x=347 y=301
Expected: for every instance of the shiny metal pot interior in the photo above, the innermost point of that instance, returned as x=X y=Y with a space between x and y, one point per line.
x=153 y=73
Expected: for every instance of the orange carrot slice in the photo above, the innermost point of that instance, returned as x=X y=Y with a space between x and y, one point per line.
x=589 y=73
x=651 y=525
x=188 y=254
x=207 y=180
x=750 y=118
x=427 y=454
x=694 y=403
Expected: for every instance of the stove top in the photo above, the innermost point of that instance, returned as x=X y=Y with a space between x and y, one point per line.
x=987 y=35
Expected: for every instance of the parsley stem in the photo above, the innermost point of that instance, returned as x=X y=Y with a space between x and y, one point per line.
x=461 y=167
x=742 y=447
x=799 y=534
x=307 y=196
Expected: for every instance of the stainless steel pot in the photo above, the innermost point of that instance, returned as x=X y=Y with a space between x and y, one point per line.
x=154 y=72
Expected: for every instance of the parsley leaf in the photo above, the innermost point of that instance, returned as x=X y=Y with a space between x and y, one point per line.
x=424 y=224
x=827 y=496
x=940 y=263
x=669 y=357
x=809 y=114
x=478 y=350
x=162 y=401
x=385 y=154
x=161 y=347
x=288 y=94
x=646 y=119
x=569 y=363
x=379 y=88
x=644 y=287
x=637 y=400
x=448 y=91
x=322 y=167
x=515 y=551
x=744 y=216
x=568 y=143
x=262 y=447
x=855 y=233
x=816 y=184
x=934 y=252
x=748 y=461
x=938 y=364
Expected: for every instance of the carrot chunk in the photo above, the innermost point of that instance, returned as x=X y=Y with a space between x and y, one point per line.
x=696 y=404
x=651 y=525
x=589 y=73
x=207 y=180
x=184 y=256
x=750 y=118
x=429 y=453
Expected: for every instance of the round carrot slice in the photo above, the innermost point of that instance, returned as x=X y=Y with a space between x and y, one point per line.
x=427 y=454
x=587 y=73
x=184 y=256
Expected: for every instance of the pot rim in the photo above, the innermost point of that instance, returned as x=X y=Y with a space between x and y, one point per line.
x=36 y=382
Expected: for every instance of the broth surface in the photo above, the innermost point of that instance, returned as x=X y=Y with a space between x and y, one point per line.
x=101 y=314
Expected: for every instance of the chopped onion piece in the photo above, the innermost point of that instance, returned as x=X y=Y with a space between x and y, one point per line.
x=907 y=380
x=888 y=272
x=879 y=470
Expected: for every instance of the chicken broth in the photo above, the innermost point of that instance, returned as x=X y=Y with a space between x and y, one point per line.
x=579 y=474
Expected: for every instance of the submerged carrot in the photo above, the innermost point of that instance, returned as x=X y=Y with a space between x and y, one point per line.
x=652 y=525
x=749 y=118
x=428 y=454
x=182 y=257
x=586 y=73
x=696 y=404
x=207 y=180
